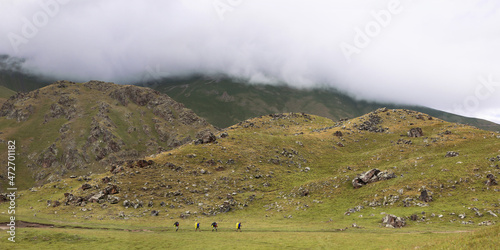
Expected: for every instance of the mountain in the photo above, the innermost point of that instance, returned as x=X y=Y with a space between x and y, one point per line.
x=224 y=102
x=295 y=173
x=71 y=128
x=14 y=77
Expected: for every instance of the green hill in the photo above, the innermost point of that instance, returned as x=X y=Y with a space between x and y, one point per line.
x=291 y=175
x=71 y=128
x=224 y=102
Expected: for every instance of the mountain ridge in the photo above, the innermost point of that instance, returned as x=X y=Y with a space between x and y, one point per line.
x=236 y=101
x=68 y=128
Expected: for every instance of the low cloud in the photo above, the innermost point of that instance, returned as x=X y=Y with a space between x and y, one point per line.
x=431 y=53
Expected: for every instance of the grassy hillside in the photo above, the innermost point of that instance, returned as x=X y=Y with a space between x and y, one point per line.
x=5 y=93
x=288 y=179
x=77 y=128
x=224 y=102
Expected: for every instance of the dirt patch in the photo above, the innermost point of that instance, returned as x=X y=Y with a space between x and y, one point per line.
x=23 y=224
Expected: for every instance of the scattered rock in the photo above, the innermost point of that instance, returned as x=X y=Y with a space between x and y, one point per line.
x=491 y=213
x=403 y=141
x=486 y=223
x=451 y=154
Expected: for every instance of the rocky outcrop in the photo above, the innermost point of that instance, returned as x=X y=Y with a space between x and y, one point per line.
x=372 y=124
x=10 y=111
x=370 y=176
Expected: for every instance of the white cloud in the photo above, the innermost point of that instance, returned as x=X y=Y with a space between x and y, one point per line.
x=429 y=53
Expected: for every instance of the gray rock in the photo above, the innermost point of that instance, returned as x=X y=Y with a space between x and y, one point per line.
x=451 y=154
x=393 y=221
x=415 y=132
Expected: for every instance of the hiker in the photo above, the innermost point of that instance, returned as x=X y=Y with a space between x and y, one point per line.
x=197 y=227
x=176 y=224
x=214 y=226
x=238 y=226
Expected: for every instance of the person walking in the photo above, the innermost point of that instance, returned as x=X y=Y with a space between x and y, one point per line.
x=238 y=226
x=197 y=227
x=176 y=224
x=214 y=226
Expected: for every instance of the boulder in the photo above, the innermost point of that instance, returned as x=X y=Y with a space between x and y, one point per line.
x=113 y=199
x=127 y=203
x=97 y=197
x=424 y=196
x=205 y=137
x=415 y=132
x=451 y=154
x=393 y=221
x=370 y=176
x=112 y=189
x=414 y=217
x=86 y=186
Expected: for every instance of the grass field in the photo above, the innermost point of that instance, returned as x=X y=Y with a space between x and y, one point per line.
x=251 y=238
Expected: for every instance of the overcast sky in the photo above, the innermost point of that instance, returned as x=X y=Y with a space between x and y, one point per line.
x=440 y=54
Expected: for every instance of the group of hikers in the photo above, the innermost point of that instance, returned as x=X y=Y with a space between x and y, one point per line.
x=214 y=226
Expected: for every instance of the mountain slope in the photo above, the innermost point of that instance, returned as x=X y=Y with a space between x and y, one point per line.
x=296 y=171
x=74 y=128
x=13 y=76
x=224 y=102
x=5 y=93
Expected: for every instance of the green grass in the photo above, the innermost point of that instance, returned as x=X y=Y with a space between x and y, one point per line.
x=5 y=92
x=251 y=238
